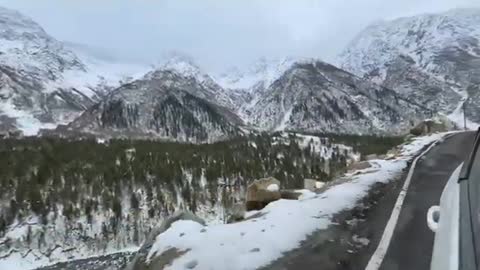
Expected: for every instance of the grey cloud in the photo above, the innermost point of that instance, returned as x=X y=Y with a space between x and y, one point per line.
x=219 y=33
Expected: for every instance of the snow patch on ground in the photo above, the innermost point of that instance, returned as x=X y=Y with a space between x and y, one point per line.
x=258 y=241
x=413 y=147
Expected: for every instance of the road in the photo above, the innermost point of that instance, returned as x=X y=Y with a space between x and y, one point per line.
x=345 y=245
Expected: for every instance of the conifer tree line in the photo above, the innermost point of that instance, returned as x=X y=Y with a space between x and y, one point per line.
x=364 y=144
x=77 y=178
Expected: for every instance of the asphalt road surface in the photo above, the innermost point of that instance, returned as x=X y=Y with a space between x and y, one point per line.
x=350 y=243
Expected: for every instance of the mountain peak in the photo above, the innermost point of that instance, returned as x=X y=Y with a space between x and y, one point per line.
x=421 y=37
x=14 y=23
x=431 y=58
x=264 y=71
x=42 y=81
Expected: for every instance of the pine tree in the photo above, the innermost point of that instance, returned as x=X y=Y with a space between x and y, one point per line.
x=134 y=203
x=35 y=200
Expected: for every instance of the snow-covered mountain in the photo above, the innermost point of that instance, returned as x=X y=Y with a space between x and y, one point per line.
x=181 y=102
x=42 y=82
x=187 y=67
x=163 y=104
x=432 y=58
x=247 y=85
x=315 y=96
x=264 y=71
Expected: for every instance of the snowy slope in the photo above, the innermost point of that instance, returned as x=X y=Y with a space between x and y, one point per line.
x=433 y=58
x=44 y=83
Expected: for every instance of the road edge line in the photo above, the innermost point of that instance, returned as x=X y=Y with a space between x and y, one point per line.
x=377 y=258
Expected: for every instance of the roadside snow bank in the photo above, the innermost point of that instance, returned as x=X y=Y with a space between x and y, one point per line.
x=418 y=143
x=279 y=227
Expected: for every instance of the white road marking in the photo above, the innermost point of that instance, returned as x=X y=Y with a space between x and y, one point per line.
x=379 y=254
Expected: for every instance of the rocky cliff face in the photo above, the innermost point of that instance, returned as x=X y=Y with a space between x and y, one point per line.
x=318 y=97
x=434 y=58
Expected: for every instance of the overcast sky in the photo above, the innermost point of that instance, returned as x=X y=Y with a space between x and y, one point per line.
x=219 y=33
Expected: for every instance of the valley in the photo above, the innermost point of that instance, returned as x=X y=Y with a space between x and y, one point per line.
x=97 y=153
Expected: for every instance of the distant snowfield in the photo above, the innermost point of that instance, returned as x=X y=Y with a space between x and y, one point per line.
x=281 y=226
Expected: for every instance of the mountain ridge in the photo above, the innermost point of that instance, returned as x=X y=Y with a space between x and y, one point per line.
x=433 y=58
x=282 y=94
x=43 y=83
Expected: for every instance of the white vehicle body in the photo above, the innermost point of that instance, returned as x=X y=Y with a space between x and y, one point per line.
x=444 y=221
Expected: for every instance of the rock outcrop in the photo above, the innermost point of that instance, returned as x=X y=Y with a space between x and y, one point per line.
x=261 y=192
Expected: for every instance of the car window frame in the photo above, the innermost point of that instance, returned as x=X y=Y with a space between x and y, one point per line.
x=469 y=227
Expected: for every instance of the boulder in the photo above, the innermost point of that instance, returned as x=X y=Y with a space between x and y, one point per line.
x=359 y=166
x=312 y=184
x=261 y=192
x=392 y=153
x=319 y=185
x=139 y=262
x=428 y=126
